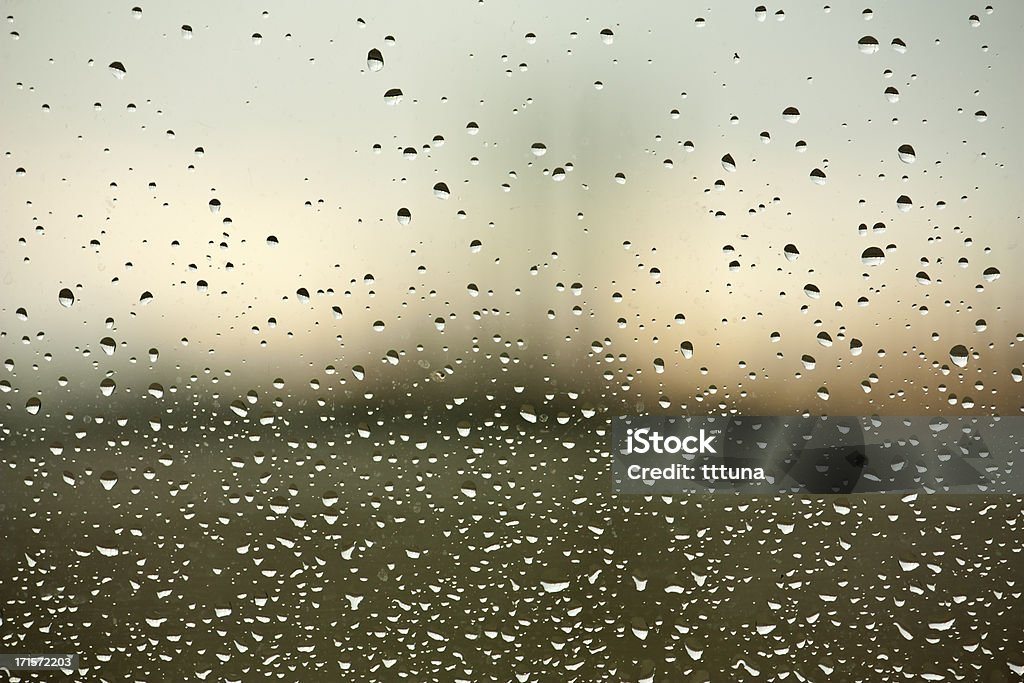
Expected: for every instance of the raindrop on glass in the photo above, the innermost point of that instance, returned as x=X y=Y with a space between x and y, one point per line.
x=375 y=60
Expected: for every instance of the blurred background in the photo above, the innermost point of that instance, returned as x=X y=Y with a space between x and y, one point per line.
x=347 y=294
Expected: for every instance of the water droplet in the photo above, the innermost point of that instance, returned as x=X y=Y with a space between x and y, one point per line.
x=554 y=586
x=868 y=45
x=818 y=176
x=872 y=256
x=374 y=60
x=108 y=479
x=404 y=216
x=907 y=154
x=393 y=96
x=958 y=354
x=607 y=37
x=686 y=348
x=108 y=345
x=990 y=274
x=728 y=163
x=790 y=114
x=904 y=203
x=66 y=298
x=107 y=386
x=791 y=252
x=118 y=70
x=441 y=191
x=33 y=405
x=539 y=149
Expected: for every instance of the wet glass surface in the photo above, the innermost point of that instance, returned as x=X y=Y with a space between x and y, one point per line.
x=314 y=319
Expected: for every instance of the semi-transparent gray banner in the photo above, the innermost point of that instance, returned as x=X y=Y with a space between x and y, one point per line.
x=818 y=455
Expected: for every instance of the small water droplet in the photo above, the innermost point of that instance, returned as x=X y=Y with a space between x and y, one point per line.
x=907 y=154
x=107 y=386
x=33 y=405
x=868 y=45
x=872 y=256
x=374 y=60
